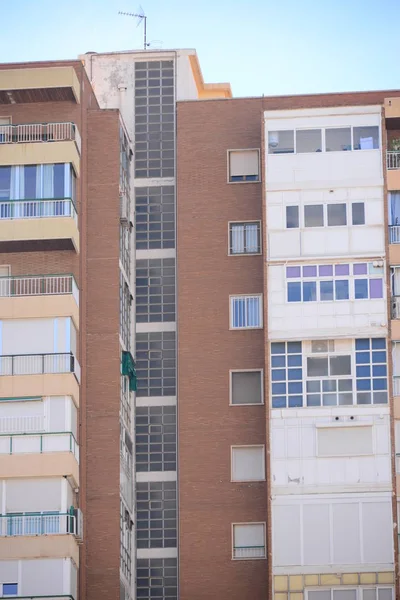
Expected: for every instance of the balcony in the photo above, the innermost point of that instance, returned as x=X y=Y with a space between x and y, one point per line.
x=39 y=84
x=38 y=224
x=395 y=315
x=30 y=375
x=40 y=132
x=393 y=169
x=39 y=296
x=56 y=523
x=33 y=442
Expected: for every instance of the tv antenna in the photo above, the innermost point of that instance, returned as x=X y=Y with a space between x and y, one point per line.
x=140 y=16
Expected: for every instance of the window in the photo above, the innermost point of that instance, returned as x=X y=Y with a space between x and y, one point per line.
x=314 y=215
x=246 y=387
x=156 y=514
x=336 y=215
x=246 y=312
x=157 y=578
x=155 y=429
x=308 y=140
x=326 y=215
x=243 y=165
x=10 y=589
x=366 y=138
x=330 y=379
x=155 y=217
x=338 y=139
x=292 y=217
x=347 y=593
x=327 y=283
x=155 y=290
x=358 y=213
x=344 y=441
x=248 y=540
x=156 y=363
x=248 y=463
x=281 y=142
x=244 y=238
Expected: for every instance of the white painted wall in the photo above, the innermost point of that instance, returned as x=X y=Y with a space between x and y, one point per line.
x=37 y=336
x=298 y=468
x=299 y=320
x=332 y=533
x=365 y=240
x=42 y=577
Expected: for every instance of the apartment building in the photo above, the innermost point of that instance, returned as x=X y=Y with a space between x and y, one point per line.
x=287 y=297
x=66 y=370
x=145 y=86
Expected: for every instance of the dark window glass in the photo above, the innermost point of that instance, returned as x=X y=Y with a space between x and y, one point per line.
x=336 y=215
x=314 y=215
x=292 y=217
x=358 y=213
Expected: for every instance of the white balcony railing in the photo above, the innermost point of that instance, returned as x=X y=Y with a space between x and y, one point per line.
x=40 y=524
x=249 y=552
x=39 y=285
x=394 y=234
x=40 y=132
x=21 y=424
x=393 y=159
x=39 y=443
x=37 y=209
x=38 y=364
x=396 y=385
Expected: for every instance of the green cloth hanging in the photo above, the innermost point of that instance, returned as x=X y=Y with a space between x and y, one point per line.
x=129 y=369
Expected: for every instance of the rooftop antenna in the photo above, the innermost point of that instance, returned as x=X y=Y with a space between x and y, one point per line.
x=140 y=16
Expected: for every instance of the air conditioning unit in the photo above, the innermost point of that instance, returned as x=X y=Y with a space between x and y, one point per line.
x=377 y=263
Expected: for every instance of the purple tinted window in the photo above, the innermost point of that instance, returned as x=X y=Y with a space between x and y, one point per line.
x=360 y=269
x=326 y=271
x=376 y=288
x=292 y=271
x=342 y=270
x=309 y=271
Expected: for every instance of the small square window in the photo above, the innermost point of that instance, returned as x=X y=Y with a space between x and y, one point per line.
x=10 y=589
x=244 y=238
x=246 y=312
x=248 y=463
x=336 y=215
x=243 y=165
x=308 y=140
x=281 y=142
x=366 y=138
x=313 y=215
x=248 y=541
x=338 y=139
x=246 y=387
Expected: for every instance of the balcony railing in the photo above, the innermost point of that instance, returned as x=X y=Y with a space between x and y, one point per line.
x=38 y=364
x=21 y=424
x=393 y=159
x=396 y=385
x=39 y=285
x=39 y=443
x=249 y=552
x=37 y=208
x=40 y=132
x=394 y=234
x=39 y=524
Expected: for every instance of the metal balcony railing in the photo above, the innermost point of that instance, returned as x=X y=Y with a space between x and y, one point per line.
x=39 y=285
x=38 y=364
x=40 y=132
x=39 y=524
x=39 y=208
x=393 y=159
x=394 y=234
x=39 y=442
x=21 y=424
x=249 y=552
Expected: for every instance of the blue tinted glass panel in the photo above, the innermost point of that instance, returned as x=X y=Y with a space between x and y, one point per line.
x=278 y=348
x=378 y=357
x=309 y=291
x=379 y=370
x=278 y=361
x=360 y=289
x=362 y=344
x=239 y=312
x=363 y=371
x=295 y=374
x=379 y=344
x=294 y=291
x=294 y=360
x=279 y=388
x=379 y=384
x=363 y=384
x=10 y=589
x=294 y=347
x=279 y=402
x=278 y=374
x=341 y=289
x=295 y=387
x=362 y=358
x=295 y=401
x=326 y=290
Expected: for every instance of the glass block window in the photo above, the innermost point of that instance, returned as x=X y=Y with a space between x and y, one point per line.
x=246 y=312
x=155 y=438
x=286 y=374
x=157 y=578
x=156 y=364
x=155 y=290
x=371 y=371
x=156 y=514
x=155 y=217
x=154 y=119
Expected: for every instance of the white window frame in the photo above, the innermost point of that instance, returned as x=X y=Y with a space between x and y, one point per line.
x=263 y=523
x=233 y=297
x=358 y=589
x=255 y=221
x=247 y=446
x=228 y=164
x=261 y=371
x=349 y=215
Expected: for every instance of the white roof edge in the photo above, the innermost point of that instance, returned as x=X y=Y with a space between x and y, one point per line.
x=323 y=111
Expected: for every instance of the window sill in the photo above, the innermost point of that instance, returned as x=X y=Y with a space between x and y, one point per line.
x=241 y=182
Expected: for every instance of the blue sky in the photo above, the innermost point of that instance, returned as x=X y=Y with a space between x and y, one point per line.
x=260 y=46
